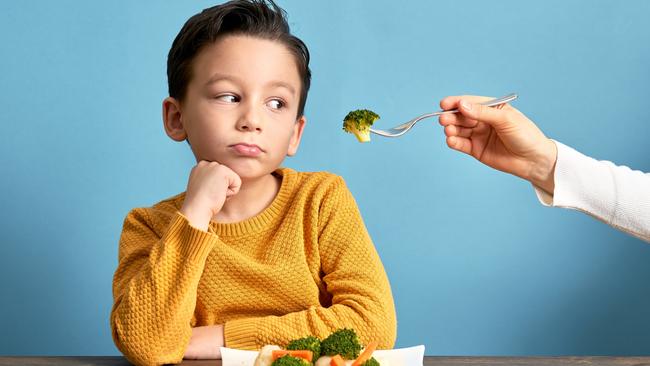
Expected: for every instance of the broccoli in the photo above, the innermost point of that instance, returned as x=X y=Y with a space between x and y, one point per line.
x=344 y=342
x=371 y=362
x=310 y=343
x=358 y=122
x=291 y=361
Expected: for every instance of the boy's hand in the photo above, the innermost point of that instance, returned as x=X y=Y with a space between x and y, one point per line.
x=205 y=343
x=502 y=138
x=209 y=185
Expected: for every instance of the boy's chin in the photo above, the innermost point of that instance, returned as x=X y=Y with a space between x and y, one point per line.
x=251 y=173
x=246 y=169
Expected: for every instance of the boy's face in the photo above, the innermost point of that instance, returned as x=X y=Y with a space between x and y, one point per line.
x=240 y=107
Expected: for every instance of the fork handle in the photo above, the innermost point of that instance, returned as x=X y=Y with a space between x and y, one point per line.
x=488 y=103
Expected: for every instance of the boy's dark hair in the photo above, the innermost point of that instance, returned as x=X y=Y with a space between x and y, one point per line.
x=257 y=18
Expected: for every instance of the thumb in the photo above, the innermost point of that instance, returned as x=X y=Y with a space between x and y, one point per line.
x=497 y=118
x=234 y=184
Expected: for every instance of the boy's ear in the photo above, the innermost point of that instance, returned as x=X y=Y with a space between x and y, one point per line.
x=298 y=128
x=172 y=119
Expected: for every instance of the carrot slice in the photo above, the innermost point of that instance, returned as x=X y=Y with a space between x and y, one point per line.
x=337 y=360
x=365 y=355
x=304 y=354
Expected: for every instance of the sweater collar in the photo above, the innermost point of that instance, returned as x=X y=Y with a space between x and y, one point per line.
x=269 y=217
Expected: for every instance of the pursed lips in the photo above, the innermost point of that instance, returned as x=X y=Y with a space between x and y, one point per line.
x=247 y=149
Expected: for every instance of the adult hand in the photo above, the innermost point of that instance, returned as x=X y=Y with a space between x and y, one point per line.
x=501 y=138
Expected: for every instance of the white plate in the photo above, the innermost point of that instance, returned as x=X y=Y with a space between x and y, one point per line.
x=411 y=356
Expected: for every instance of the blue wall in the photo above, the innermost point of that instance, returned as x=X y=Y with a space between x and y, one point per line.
x=477 y=266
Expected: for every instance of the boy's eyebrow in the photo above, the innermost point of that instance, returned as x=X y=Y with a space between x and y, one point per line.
x=219 y=77
x=282 y=84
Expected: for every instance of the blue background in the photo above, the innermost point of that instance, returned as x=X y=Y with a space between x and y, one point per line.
x=477 y=265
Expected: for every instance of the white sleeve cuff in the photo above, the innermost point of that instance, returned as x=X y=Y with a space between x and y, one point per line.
x=580 y=183
x=613 y=194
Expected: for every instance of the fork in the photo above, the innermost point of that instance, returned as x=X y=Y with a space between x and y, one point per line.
x=405 y=127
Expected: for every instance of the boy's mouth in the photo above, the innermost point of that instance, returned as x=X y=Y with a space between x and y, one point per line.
x=247 y=149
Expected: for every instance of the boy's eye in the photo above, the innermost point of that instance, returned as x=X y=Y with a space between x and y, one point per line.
x=275 y=104
x=228 y=98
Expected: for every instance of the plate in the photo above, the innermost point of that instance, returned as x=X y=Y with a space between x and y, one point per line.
x=410 y=356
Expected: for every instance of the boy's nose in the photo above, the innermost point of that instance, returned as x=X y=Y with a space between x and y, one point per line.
x=249 y=121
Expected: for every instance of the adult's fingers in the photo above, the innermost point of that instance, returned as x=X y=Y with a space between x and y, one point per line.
x=452 y=101
x=453 y=130
x=494 y=117
x=456 y=119
x=461 y=144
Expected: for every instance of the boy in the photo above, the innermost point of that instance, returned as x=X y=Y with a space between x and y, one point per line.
x=251 y=254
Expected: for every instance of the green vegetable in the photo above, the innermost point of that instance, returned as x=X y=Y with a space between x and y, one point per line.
x=310 y=343
x=344 y=342
x=358 y=122
x=371 y=362
x=291 y=361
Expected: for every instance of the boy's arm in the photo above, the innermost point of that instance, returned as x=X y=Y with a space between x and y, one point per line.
x=155 y=287
x=354 y=276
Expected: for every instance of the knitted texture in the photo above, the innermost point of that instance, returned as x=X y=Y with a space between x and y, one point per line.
x=303 y=266
x=616 y=195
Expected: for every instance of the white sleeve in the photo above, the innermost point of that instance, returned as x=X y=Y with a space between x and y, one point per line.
x=616 y=195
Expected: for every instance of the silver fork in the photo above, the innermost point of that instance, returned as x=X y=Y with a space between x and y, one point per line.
x=405 y=127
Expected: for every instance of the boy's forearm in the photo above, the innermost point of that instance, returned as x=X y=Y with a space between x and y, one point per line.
x=157 y=289
x=374 y=322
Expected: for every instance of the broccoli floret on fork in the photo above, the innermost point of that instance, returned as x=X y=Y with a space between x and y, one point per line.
x=358 y=122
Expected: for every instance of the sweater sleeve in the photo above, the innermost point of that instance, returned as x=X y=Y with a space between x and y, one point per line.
x=616 y=195
x=155 y=287
x=355 y=278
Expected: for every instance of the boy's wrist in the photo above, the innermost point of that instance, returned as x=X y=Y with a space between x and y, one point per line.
x=198 y=218
x=205 y=342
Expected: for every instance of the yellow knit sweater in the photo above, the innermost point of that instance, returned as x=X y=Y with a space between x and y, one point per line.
x=303 y=266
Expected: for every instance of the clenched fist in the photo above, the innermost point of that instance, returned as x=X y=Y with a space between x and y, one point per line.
x=209 y=185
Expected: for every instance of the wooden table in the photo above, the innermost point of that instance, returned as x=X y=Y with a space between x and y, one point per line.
x=428 y=361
